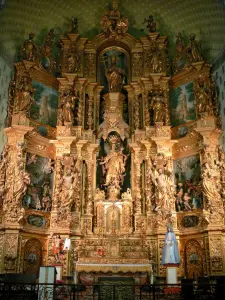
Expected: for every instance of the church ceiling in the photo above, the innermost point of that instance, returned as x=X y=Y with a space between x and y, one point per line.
x=206 y=18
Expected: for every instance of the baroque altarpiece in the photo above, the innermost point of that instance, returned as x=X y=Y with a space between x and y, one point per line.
x=105 y=148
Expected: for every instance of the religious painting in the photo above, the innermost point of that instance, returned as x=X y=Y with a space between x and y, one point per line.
x=39 y=191
x=36 y=221
x=187 y=178
x=182 y=104
x=45 y=104
x=190 y=221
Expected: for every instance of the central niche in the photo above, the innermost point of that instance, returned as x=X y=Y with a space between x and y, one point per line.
x=108 y=60
x=113 y=172
x=108 y=57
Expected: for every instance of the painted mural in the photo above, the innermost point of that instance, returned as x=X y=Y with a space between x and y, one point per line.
x=44 y=106
x=182 y=104
x=39 y=192
x=187 y=181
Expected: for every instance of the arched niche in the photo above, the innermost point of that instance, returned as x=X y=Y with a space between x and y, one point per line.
x=32 y=256
x=123 y=62
x=194 y=259
x=113 y=222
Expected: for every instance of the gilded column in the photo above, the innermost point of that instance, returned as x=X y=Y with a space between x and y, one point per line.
x=90 y=106
x=136 y=112
x=90 y=157
x=97 y=97
x=137 y=187
x=16 y=182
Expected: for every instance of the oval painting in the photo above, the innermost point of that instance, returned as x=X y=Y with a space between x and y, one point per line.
x=37 y=221
x=190 y=221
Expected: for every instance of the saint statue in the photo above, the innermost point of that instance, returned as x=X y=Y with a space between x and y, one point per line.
x=114 y=167
x=66 y=108
x=57 y=248
x=49 y=39
x=112 y=23
x=29 y=50
x=74 y=25
x=158 y=106
x=151 y=24
x=170 y=249
x=24 y=96
x=204 y=103
x=194 y=49
x=115 y=77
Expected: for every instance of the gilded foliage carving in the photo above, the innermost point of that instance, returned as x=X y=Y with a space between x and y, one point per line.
x=89 y=64
x=216 y=254
x=195 y=258
x=137 y=64
x=17 y=180
x=11 y=252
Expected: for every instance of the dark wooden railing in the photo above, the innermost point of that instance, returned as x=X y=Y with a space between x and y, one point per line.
x=22 y=291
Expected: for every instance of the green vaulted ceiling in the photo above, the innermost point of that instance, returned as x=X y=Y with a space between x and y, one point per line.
x=206 y=18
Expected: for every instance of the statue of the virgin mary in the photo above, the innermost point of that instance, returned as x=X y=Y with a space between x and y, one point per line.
x=170 y=250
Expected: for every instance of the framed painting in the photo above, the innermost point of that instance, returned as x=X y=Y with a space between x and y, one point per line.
x=187 y=179
x=39 y=192
x=45 y=104
x=182 y=104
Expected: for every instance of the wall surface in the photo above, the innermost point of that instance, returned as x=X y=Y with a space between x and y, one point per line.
x=219 y=76
x=5 y=76
x=206 y=18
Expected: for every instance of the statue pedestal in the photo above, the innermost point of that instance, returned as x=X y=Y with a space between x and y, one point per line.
x=113 y=116
x=171 y=274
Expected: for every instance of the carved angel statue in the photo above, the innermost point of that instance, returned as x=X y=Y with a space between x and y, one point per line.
x=29 y=49
x=115 y=76
x=122 y=26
